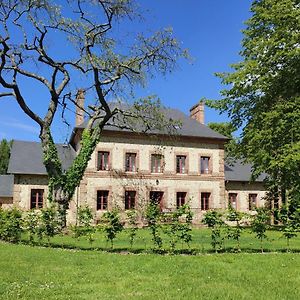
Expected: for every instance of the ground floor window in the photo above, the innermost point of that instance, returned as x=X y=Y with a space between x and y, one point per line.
x=36 y=198
x=205 y=199
x=130 y=199
x=232 y=199
x=102 y=199
x=180 y=199
x=252 y=201
x=157 y=198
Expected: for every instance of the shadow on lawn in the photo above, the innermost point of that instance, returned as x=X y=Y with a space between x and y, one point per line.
x=125 y=250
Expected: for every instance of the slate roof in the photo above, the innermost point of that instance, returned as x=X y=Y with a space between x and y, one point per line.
x=240 y=171
x=190 y=127
x=26 y=158
x=6 y=185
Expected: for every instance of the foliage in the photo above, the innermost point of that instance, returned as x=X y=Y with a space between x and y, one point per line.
x=10 y=225
x=213 y=219
x=179 y=227
x=93 y=49
x=4 y=155
x=132 y=222
x=153 y=219
x=260 y=223
x=49 y=224
x=84 y=226
x=227 y=129
x=31 y=223
x=290 y=225
x=234 y=231
x=262 y=93
x=112 y=225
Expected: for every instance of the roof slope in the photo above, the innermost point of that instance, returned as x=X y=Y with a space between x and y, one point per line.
x=240 y=171
x=6 y=185
x=26 y=158
x=190 y=127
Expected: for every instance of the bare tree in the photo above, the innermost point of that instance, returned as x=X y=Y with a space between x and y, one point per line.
x=32 y=31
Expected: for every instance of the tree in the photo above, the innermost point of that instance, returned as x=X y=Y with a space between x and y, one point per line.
x=227 y=129
x=4 y=155
x=262 y=93
x=33 y=31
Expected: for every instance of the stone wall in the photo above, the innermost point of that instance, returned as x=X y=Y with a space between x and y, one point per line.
x=243 y=189
x=6 y=202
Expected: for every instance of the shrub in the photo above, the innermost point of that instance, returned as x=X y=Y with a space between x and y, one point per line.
x=84 y=227
x=153 y=217
x=179 y=227
x=111 y=225
x=31 y=223
x=132 y=222
x=259 y=224
x=213 y=219
x=11 y=225
x=234 y=232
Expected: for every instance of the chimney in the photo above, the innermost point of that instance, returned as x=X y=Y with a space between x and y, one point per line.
x=197 y=112
x=79 y=107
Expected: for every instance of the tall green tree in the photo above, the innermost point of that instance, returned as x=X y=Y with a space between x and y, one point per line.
x=227 y=129
x=263 y=92
x=4 y=155
x=56 y=43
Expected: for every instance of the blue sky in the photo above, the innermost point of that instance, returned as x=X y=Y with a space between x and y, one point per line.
x=211 y=30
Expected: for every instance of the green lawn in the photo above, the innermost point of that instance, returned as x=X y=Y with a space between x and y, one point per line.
x=45 y=273
x=200 y=242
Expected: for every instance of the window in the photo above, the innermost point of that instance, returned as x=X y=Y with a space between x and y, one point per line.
x=205 y=165
x=157 y=198
x=156 y=163
x=252 y=201
x=103 y=161
x=233 y=200
x=102 y=199
x=130 y=199
x=130 y=162
x=181 y=164
x=36 y=199
x=180 y=199
x=205 y=199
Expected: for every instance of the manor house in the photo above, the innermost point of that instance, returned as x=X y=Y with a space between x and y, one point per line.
x=129 y=169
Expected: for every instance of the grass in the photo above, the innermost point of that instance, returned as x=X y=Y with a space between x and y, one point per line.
x=201 y=242
x=47 y=273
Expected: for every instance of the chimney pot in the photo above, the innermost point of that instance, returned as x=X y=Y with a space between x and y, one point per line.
x=197 y=112
x=79 y=107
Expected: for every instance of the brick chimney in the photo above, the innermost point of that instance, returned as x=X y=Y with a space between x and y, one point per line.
x=197 y=112
x=79 y=108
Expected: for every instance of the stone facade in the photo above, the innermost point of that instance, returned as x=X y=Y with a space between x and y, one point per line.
x=246 y=192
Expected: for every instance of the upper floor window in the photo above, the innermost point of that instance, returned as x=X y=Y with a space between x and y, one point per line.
x=181 y=164
x=232 y=197
x=36 y=198
x=103 y=161
x=205 y=165
x=156 y=163
x=180 y=199
x=205 y=199
x=130 y=199
x=102 y=200
x=252 y=201
x=130 y=162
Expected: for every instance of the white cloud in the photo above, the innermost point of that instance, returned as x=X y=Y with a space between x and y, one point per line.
x=17 y=124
